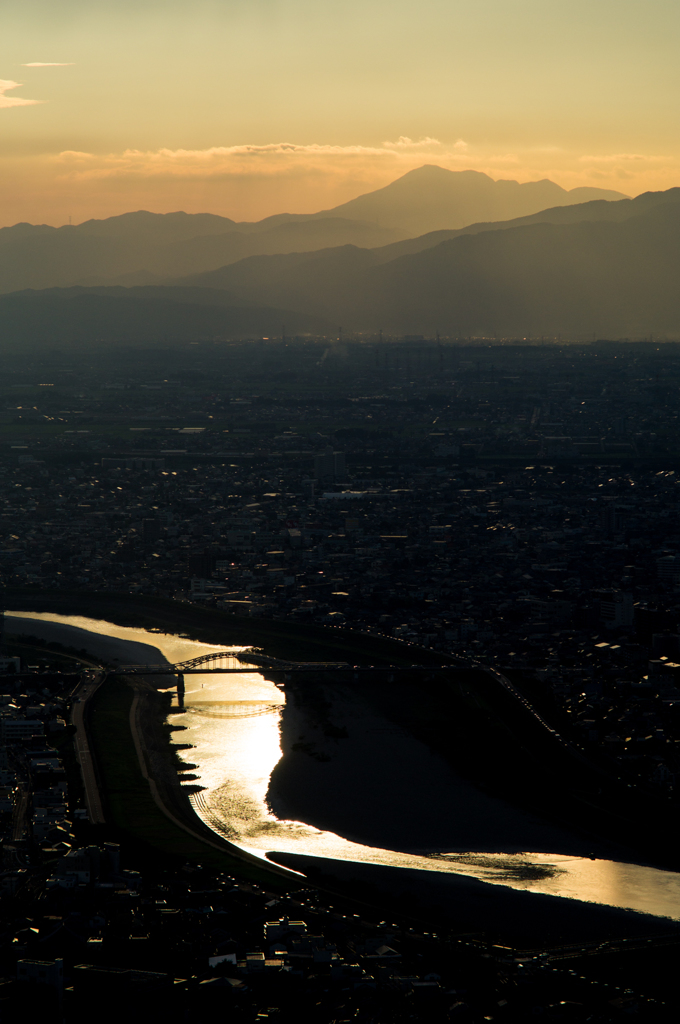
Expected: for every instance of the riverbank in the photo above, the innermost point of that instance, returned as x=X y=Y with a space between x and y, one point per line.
x=154 y=819
x=492 y=739
x=521 y=920
x=282 y=639
x=159 y=767
x=348 y=769
x=139 y=787
x=489 y=737
x=108 y=649
x=334 y=710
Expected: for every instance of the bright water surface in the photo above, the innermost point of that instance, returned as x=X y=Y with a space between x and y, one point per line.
x=233 y=723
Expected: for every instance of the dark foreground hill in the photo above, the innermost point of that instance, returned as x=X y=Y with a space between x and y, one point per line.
x=608 y=276
x=129 y=316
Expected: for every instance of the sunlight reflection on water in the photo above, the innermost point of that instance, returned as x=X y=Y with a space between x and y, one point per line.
x=232 y=721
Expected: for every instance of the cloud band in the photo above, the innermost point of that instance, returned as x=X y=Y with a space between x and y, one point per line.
x=270 y=158
x=13 y=101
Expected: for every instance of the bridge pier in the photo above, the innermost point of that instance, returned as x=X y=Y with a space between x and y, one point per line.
x=180 y=689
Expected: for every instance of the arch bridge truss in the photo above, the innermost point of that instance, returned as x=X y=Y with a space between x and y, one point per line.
x=249 y=661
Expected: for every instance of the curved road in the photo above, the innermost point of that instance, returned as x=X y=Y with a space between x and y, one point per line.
x=83 y=694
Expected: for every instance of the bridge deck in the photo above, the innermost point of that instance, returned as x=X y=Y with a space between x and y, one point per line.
x=169 y=670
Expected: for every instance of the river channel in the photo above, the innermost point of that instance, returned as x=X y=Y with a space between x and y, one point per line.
x=233 y=723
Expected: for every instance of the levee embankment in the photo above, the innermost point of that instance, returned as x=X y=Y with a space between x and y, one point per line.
x=150 y=811
x=159 y=766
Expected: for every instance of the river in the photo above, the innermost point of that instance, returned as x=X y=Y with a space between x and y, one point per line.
x=233 y=723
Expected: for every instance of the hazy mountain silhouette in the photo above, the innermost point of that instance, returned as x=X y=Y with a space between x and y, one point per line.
x=597 y=209
x=614 y=276
x=145 y=248
x=146 y=316
x=431 y=198
x=612 y=270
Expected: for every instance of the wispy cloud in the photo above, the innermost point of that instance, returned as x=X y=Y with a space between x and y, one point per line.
x=615 y=158
x=403 y=142
x=13 y=101
x=48 y=64
x=271 y=158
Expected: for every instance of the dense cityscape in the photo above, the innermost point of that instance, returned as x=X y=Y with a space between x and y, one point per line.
x=381 y=512
x=507 y=505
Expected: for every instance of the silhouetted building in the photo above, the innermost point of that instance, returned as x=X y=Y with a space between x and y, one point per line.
x=330 y=466
x=668 y=569
x=611 y=519
x=616 y=607
x=134 y=995
x=42 y=972
x=666 y=645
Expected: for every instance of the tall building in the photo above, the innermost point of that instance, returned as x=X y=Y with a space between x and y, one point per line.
x=616 y=607
x=666 y=644
x=330 y=466
x=611 y=519
x=42 y=972
x=668 y=569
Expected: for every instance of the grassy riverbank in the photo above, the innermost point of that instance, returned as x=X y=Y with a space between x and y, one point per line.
x=132 y=814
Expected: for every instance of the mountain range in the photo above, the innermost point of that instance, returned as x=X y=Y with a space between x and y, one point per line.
x=431 y=198
x=147 y=248
x=599 y=267
x=602 y=267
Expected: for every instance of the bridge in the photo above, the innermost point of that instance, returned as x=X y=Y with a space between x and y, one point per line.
x=232 y=662
x=216 y=661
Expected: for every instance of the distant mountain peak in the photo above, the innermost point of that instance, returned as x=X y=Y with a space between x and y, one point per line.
x=435 y=171
x=434 y=198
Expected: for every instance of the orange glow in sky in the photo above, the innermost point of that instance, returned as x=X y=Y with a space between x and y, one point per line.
x=253 y=107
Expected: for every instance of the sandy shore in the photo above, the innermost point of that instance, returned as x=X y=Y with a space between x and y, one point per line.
x=382 y=787
x=523 y=920
x=109 y=648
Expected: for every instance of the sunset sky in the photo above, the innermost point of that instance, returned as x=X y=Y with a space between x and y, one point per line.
x=252 y=107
